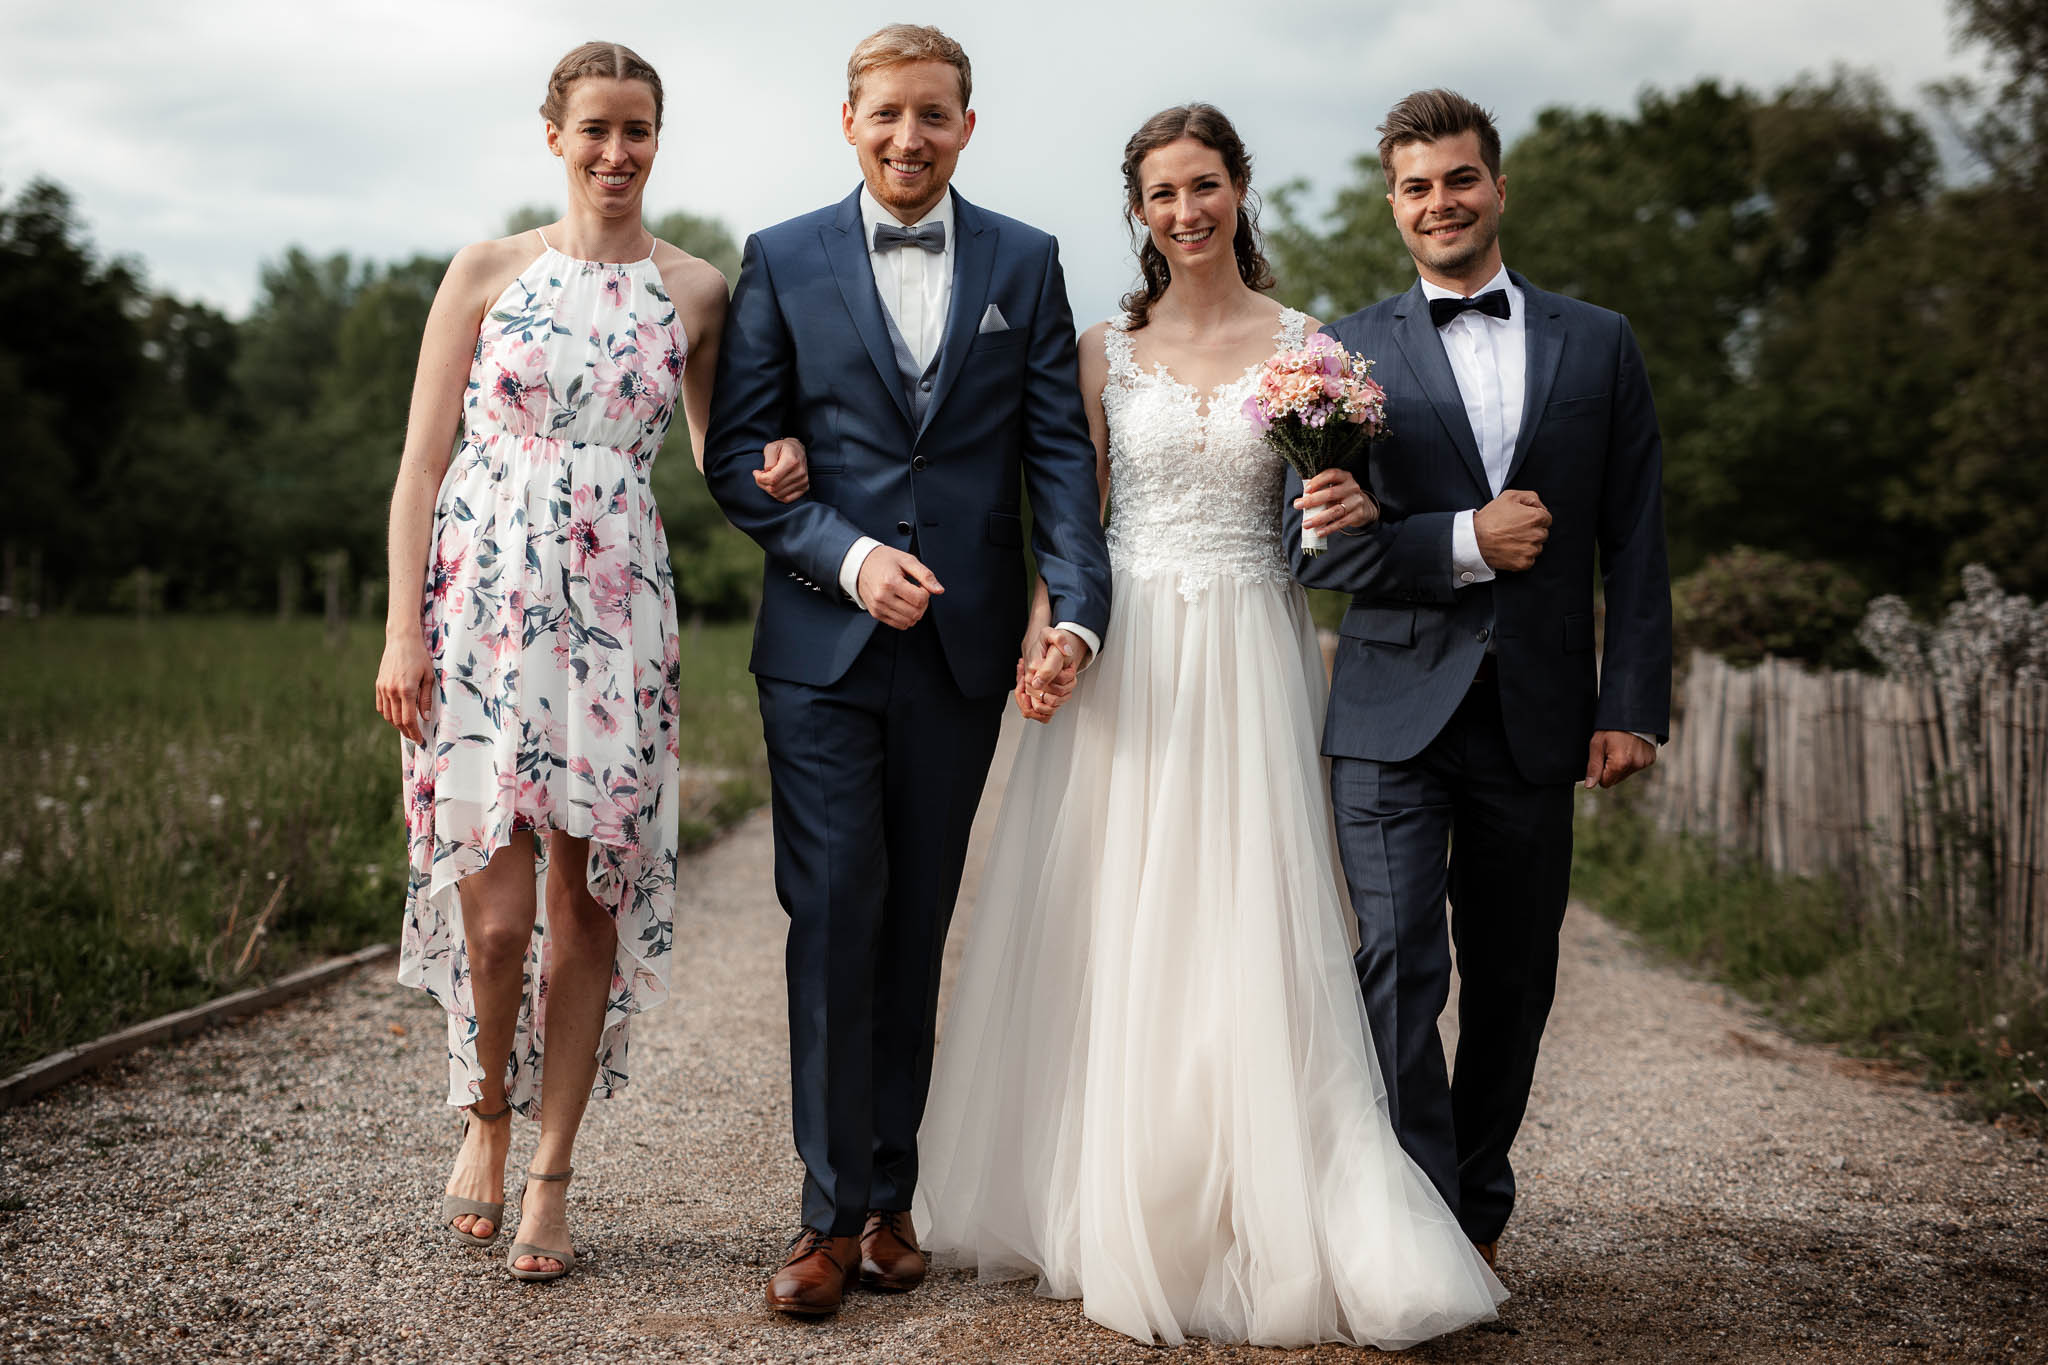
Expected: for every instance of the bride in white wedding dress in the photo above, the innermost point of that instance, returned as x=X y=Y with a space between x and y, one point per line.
x=1155 y=1090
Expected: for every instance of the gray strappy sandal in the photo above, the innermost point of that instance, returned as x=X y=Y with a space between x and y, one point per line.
x=566 y=1257
x=453 y=1206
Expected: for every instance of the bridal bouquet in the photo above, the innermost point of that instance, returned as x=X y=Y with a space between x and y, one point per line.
x=1318 y=407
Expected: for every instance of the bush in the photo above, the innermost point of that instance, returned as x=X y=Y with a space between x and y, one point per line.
x=1747 y=603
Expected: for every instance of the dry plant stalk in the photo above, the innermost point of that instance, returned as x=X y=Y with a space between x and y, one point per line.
x=262 y=921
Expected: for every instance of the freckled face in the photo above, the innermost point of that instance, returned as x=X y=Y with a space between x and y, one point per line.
x=908 y=130
x=607 y=141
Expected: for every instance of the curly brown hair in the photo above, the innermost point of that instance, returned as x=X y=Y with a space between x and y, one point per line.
x=1206 y=124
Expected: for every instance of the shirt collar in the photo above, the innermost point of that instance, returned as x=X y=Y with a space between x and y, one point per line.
x=1437 y=291
x=872 y=213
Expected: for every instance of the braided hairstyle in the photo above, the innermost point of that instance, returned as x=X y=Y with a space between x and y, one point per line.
x=615 y=60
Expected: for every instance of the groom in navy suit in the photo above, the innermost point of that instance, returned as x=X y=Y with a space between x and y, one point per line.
x=923 y=351
x=1464 y=700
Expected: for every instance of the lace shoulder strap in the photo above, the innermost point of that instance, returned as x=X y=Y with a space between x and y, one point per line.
x=1116 y=345
x=1293 y=333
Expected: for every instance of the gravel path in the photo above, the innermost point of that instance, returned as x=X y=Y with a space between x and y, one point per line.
x=1696 y=1187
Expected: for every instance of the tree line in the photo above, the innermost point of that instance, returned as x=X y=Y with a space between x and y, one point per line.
x=1849 y=347
x=159 y=447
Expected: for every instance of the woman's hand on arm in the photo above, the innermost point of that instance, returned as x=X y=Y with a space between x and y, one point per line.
x=1333 y=501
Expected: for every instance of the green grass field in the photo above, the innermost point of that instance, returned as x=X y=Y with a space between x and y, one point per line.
x=192 y=806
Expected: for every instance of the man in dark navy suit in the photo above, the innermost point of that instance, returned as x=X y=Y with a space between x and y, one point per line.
x=1464 y=701
x=923 y=351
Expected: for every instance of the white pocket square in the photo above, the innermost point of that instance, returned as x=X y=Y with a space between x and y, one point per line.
x=992 y=321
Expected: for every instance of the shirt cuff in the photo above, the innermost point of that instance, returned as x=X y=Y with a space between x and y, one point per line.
x=1467 y=565
x=1650 y=740
x=1086 y=637
x=849 y=568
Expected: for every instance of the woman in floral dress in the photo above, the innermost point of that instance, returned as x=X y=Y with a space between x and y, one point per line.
x=531 y=651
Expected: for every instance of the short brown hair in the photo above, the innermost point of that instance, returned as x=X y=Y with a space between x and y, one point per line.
x=615 y=60
x=1431 y=116
x=906 y=43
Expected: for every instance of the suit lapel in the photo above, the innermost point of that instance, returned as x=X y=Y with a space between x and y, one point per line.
x=974 y=259
x=1543 y=328
x=846 y=248
x=1424 y=351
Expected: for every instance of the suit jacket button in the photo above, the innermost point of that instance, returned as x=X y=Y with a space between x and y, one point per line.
x=1483 y=633
x=902 y=528
x=918 y=462
x=926 y=386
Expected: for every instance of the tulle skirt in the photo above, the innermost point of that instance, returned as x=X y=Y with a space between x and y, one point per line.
x=1155 y=1089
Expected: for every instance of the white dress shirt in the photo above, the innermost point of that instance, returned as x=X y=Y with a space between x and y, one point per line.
x=916 y=287
x=1490 y=359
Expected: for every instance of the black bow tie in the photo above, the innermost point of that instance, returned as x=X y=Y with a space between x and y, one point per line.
x=1493 y=303
x=931 y=236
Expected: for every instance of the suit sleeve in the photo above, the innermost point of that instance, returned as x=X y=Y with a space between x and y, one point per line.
x=1635 y=575
x=1059 y=464
x=1398 y=558
x=751 y=405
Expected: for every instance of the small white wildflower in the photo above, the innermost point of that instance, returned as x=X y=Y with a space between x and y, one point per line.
x=373 y=870
x=270 y=876
x=215 y=802
x=79 y=782
x=46 y=803
x=10 y=860
x=254 y=824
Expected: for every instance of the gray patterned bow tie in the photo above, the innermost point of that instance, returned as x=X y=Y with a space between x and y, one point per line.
x=931 y=236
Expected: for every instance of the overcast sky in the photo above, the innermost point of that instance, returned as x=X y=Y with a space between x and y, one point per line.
x=205 y=136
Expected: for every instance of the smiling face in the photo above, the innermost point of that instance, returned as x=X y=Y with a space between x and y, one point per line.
x=607 y=140
x=908 y=128
x=1448 y=209
x=1188 y=203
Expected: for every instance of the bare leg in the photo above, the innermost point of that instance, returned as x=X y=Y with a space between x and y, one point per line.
x=582 y=942
x=497 y=924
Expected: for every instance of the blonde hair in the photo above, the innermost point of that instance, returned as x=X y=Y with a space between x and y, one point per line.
x=615 y=60
x=906 y=43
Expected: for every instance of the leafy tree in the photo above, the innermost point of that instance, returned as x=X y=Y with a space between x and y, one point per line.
x=1708 y=215
x=70 y=371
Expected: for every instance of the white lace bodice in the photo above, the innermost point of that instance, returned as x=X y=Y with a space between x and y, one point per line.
x=1192 y=493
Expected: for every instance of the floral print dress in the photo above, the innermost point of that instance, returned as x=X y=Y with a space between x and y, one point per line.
x=550 y=614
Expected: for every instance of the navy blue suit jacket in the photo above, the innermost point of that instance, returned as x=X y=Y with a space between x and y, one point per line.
x=807 y=353
x=1412 y=639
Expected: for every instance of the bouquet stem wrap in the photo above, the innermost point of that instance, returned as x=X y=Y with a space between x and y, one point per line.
x=1319 y=408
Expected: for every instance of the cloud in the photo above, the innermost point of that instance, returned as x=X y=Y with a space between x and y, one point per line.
x=204 y=139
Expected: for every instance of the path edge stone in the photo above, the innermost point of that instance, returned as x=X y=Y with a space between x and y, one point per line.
x=59 y=1067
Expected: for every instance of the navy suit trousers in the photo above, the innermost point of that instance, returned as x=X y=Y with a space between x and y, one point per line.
x=1507 y=877
x=876 y=778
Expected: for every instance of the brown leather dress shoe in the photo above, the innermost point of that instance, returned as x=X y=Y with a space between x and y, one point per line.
x=813 y=1279
x=1487 y=1250
x=889 y=1258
